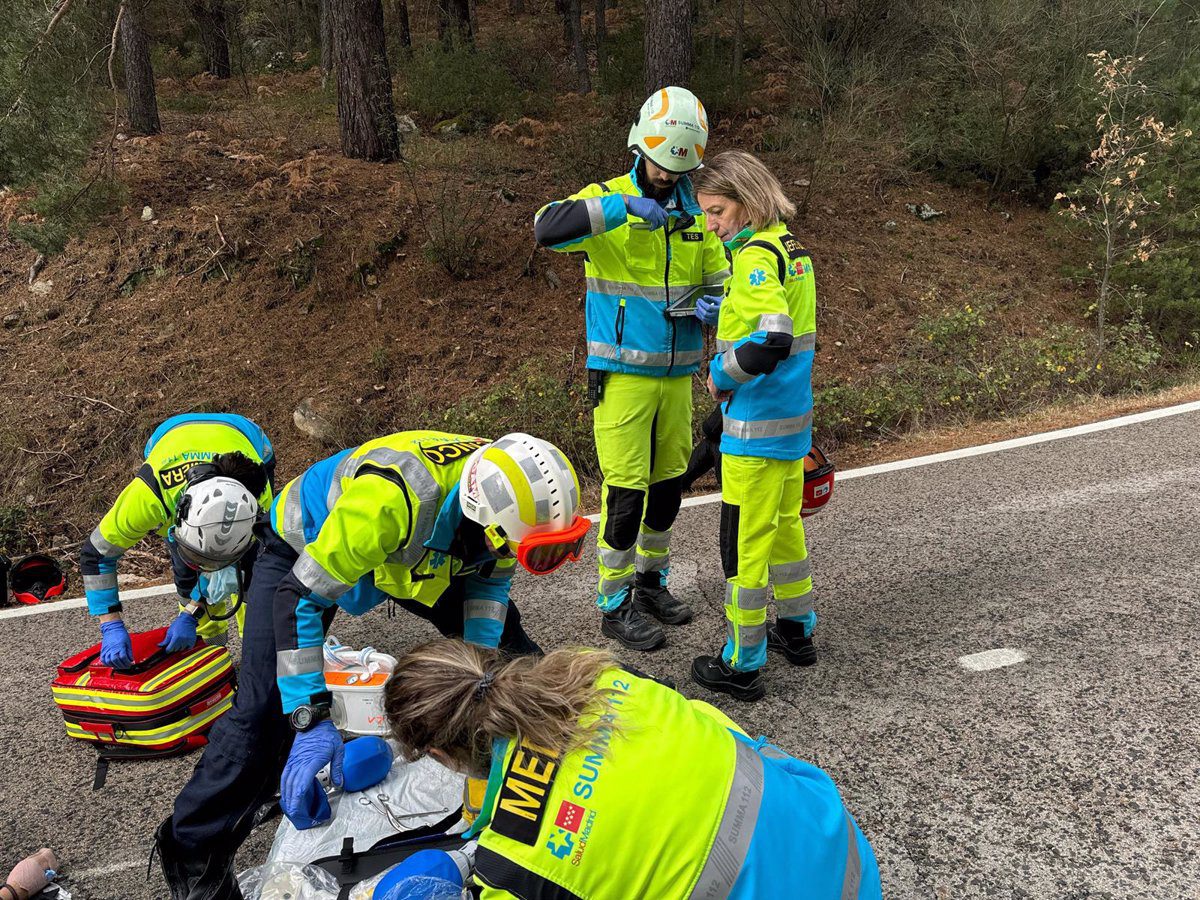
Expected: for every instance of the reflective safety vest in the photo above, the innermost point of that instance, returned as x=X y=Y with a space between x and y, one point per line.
x=147 y=504
x=669 y=800
x=766 y=338
x=632 y=272
x=376 y=521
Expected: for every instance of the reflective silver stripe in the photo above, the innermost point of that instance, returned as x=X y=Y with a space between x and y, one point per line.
x=800 y=344
x=613 y=558
x=425 y=486
x=653 y=293
x=609 y=586
x=293 y=517
x=541 y=511
x=732 y=840
x=494 y=492
x=781 y=323
x=642 y=357
x=731 y=367
x=485 y=609
x=345 y=469
x=220 y=639
x=746 y=635
x=646 y=563
x=747 y=598
x=717 y=279
x=766 y=428
x=100 y=582
x=304 y=661
x=531 y=469
x=788 y=573
x=107 y=549
x=313 y=576
x=804 y=343
x=853 y=877
x=595 y=210
x=654 y=540
x=795 y=607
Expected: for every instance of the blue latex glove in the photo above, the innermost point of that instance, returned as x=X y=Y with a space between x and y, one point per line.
x=116 y=649
x=311 y=752
x=708 y=308
x=181 y=635
x=647 y=209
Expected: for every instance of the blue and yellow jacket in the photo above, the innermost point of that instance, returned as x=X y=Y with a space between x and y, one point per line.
x=669 y=799
x=632 y=273
x=766 y=338
x=376 y=521
x=147 y=504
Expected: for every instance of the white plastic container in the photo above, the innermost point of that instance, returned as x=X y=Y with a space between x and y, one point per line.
x=356 y=679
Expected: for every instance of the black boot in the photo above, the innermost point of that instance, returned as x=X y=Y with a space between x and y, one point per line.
x=651 y=597
x=715 y=674
x=627 y=625
x=191 y=874
x=788 y=638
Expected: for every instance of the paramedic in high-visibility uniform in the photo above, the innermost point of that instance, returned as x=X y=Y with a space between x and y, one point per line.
x=603 y=785
x=435 y=522
x=766 y=337
x=192 y=466
x=645 y=249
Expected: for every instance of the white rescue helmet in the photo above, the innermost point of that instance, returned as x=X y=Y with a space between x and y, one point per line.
x=214 y=519
x=525 y=494
x=671 y=130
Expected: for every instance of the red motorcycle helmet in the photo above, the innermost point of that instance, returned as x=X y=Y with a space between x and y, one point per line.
x=818 y=481
x=36 y=578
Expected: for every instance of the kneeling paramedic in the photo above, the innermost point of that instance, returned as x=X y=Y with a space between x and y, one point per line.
x=603 y=785
x=653 y=275
x=766 y=337
x=435 y=522
x=201 y=486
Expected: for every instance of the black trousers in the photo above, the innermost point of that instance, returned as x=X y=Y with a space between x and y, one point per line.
x=248 y=746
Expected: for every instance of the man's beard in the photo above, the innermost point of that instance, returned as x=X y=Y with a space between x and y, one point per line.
x=649 y=188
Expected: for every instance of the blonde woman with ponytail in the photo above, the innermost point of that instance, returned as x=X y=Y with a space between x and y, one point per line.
x=766 y=336
x=606 y=785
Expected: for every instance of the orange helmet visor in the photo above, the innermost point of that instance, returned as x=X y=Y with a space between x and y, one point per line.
x=542 y=553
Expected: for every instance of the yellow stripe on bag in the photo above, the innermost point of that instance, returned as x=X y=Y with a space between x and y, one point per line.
x=161 y=735
x=120 y=700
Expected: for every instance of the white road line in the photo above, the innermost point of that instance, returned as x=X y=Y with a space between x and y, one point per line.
x=78 y=877
x=881 y=468
x=992 y=659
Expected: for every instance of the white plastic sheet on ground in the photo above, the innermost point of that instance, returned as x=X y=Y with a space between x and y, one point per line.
x=424 y=787
x=288 y=881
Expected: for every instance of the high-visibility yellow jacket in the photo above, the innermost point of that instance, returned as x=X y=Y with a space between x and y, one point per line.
x=670 y=800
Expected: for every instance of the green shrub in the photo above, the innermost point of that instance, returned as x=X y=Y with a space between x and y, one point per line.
x=475 y=89
x=65 y=207
x=530 y=399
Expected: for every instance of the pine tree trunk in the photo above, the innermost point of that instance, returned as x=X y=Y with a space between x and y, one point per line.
x=601 y=37
x=578 y=51
x=403 y=24
x=668 y=45
x=139 y=74
x=461 y=13
x=443 y=22
x=214 y=35
x=366 y=114
x=326 y=29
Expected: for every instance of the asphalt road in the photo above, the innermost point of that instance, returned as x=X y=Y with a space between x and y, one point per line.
x=1073 y=774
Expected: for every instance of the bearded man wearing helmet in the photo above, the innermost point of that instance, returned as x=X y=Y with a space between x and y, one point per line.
x=654 y=274
x=203 y=480
x=434 y=522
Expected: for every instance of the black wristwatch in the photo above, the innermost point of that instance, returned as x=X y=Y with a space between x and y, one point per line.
x=307 y=717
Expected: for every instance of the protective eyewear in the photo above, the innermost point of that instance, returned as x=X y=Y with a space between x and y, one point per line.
x=544 y=552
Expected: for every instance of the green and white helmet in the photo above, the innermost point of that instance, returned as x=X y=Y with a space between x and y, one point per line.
x=671 y=130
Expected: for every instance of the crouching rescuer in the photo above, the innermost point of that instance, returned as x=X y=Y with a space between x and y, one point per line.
x=204 y=479
x=435 y=523
x=766 y=337
x=653 y=275
x=603 y=785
